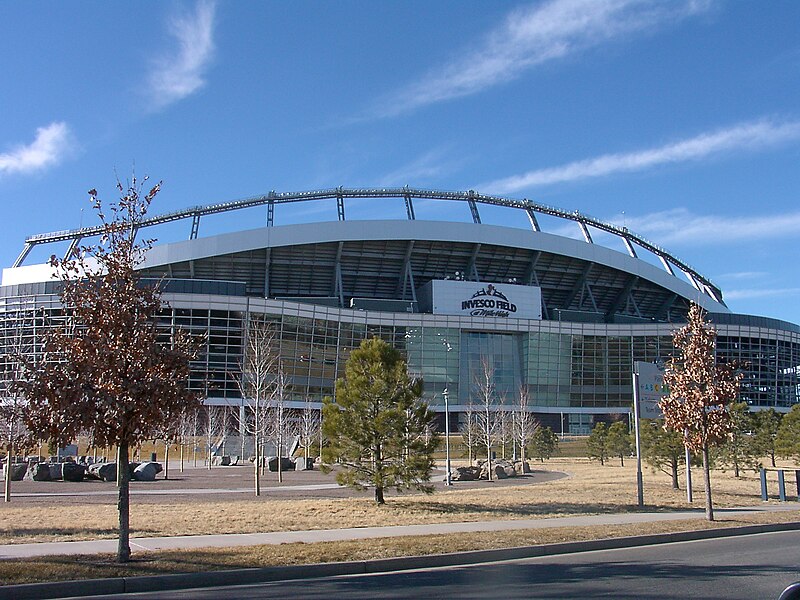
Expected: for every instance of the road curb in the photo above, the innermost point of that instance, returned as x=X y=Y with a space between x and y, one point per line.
x=153 y=583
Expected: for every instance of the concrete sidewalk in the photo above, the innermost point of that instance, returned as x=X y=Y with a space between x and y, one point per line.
x=325 y=535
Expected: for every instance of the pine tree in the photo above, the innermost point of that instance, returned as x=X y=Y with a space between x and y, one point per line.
x=544 y=443
x=597 y=444
x=700 y=390
x=378 y=426
x=787 y=442
x=739 y=451
x=663 y=449
x=766 y=425
x=619 y=441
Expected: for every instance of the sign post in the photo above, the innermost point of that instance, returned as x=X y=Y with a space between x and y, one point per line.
x=648 y=389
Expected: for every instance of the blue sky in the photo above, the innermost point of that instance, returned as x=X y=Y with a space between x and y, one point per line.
x=679 y=120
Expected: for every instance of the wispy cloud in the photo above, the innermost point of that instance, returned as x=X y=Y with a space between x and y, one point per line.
x=681 y=226
x=741 y=275
x=532 y=36
x=741 y=137
x=430 y=165
x=180 y=73
x=51 y=144
x=762 y=292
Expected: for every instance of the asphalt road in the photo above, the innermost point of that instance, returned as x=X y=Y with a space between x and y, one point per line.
x=747 y=567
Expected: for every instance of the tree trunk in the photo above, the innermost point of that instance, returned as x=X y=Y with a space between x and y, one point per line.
x=621 y=460
x=8 y=473
x=166 y=460
x=674 y=472
x=489 y=458
x=280 y=455
x=736 y=468
x=257 y=463
x=123 y=505
x=379 y=495
x=772 y=458
x=707 y=482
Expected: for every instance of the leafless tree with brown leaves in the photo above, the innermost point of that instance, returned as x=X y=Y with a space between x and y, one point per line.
x=105 y=370
x=700 y=392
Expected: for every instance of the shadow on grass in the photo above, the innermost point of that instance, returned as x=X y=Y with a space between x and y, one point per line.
x=527 y=509
x=55 y=532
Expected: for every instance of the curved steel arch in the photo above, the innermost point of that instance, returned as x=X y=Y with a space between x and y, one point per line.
x=471 y=197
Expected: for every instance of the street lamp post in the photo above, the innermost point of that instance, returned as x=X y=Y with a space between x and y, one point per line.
x=447 y=480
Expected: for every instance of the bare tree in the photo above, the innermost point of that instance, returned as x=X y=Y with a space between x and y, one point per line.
x=525 y=424
x=108 y=369
x=486 y=416
x=216 y=428
x=505 y=426
x=280 y=425
x=257 y=387
x=309 y=425
x=16 y=342
x=700 y=392
x=470 y=433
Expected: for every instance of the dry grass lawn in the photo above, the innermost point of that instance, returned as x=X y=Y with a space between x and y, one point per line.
x=57 y=568
x=590 y=489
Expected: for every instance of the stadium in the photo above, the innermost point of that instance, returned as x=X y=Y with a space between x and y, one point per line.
x=561 y=316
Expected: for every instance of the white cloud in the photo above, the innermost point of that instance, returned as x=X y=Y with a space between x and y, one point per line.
x=535 y=35
x=51 y=144
x=762 y=292
x=430 y=165
x=178 y=75
x=742 y=137
x=742 y=275
x=680 y=226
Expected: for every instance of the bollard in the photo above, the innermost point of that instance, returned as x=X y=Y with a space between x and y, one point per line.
x=781 y=486
x=797 y=483
x=764 y=496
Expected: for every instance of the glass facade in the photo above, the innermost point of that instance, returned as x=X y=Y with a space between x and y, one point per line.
x=569 y=368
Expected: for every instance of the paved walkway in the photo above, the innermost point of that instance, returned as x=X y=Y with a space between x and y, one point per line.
x=327 y=535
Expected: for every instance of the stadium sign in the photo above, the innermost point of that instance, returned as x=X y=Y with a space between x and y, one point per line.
x=489 y=302
x=478 y=299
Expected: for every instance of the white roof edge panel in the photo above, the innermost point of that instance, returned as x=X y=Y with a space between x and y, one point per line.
x=336 y=231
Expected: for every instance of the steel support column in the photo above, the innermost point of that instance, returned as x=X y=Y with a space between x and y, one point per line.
x=576 y=289
x=532 y=218
x=410 y=208
x=195 y=226
x=26 y=249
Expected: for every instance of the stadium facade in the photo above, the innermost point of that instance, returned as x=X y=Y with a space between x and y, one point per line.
x=564 y=317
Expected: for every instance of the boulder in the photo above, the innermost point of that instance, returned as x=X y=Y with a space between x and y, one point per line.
x=56 y=471
x=522 y=467
x=286 y=464
x=72 y=471
x=104 y=471
x=18 y=471
x=465 y=473
x=508 y=467
x=146 y=471
x=221 y=461
x=301 y=463
x=38 y=472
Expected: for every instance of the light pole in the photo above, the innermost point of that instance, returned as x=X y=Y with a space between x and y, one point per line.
x=447 y=480
x=445 y=394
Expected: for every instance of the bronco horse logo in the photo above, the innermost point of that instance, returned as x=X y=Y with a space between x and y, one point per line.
x=489 y=302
